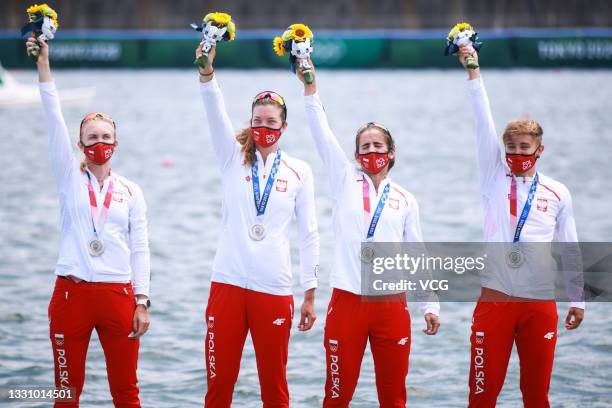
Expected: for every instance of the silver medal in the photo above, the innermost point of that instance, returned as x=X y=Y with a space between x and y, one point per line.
x=257 y=232
x=514 y=257
x=96 y=247
x=367 y=254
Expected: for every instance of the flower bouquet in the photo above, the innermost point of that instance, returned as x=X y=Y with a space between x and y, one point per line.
x=463 y=34
x=215 y=27
x=297 y=40
x=42 y=22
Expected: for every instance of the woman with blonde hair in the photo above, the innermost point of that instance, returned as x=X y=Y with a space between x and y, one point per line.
x=511 y=309
x=251 y=290
x=103 y=267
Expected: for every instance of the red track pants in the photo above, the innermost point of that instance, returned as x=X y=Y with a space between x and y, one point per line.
x=351 y=321
x=74 y=311
x=496 y=325
x=231 y=313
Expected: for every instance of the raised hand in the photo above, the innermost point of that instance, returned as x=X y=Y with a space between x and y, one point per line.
x=207 y=71
x=33 y=43
x=44 y=69
x=309 y=89
x=464 y=53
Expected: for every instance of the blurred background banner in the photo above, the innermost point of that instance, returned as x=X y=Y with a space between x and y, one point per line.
x=348 y=33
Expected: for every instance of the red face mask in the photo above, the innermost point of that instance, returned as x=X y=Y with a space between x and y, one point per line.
x=99 y=153
x=265 y=136
x=520 y=163
x=373 y=162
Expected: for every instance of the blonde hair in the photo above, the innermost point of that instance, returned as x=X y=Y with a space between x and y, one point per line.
x=523 y=127
x=244 y=137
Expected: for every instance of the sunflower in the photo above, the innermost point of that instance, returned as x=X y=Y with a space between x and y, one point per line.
x=231 y=29
x=221 y=19
x=299 y=32
x=457 y=29
x=44 y=10
x=279 y=46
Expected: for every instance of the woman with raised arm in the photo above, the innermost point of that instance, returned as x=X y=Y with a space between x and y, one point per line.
x=368 y=207
x=103 y=266
x=520 y=205
x=251 y=290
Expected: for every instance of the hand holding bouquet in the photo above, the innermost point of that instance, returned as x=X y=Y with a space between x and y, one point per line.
x=297 y=40
x=42 y=22
x=215 y=27
x=462 y=35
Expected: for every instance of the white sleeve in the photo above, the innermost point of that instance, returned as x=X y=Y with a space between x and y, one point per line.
x=306 y=215
x=221 y=131
x=412 y=233
x=487 y=144
x=139 y=244
x=571 y=258
x=412 y=223
x=63 y=161
x=335 y=160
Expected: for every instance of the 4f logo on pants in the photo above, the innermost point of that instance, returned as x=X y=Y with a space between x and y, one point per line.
x=549 y=335
x=278 y=321
x=403 y=341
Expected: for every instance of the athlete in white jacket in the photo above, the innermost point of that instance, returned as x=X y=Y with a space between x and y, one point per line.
x=263 y=190
x=520 y=205
x=103 y=265
x=359 y=196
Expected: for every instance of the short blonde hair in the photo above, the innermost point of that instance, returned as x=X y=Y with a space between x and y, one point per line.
x=523 y=127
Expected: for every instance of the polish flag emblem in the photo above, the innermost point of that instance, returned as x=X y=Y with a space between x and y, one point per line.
x=479 y=337
x=333 y=345
x=542 y=204
x=211 y=322
x=281 y=185
x=394 y=203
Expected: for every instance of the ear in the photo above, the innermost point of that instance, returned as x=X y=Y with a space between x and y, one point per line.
x=392 y=154
x=80 y=145
x=284 y=127
x=540 y=150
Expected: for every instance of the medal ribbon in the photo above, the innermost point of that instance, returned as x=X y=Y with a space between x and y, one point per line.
x=262 y=203
x=99 y=219
x=379 y=207
x=526 y=207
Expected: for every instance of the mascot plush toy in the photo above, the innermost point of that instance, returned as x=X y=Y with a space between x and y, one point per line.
x=463 y=34
x=42 y=22
x=297 y=40
x=215 y=27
